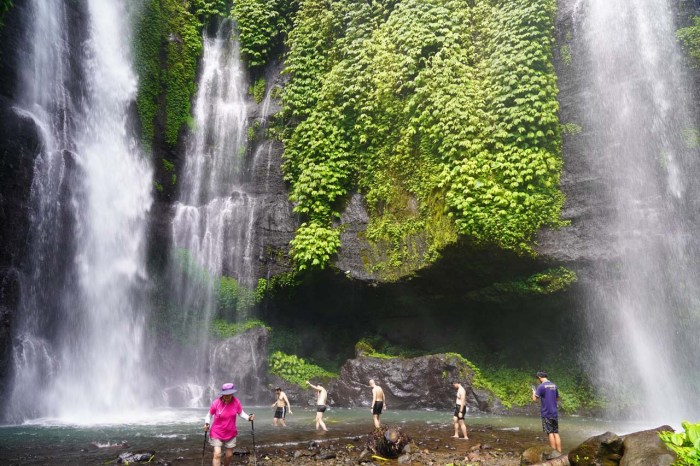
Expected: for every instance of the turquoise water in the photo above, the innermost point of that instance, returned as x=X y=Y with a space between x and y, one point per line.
x=177 y=434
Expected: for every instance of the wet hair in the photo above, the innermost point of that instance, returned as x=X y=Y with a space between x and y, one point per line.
x=278 y=389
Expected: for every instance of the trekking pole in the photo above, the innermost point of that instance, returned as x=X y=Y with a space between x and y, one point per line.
x=255 y=454
x=204 y=446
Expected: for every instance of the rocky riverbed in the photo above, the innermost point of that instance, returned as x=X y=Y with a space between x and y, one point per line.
x=430 y=445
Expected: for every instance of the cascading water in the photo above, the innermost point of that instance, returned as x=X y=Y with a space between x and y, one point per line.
x=213 y=221
x=643 y=140
x=80 y=346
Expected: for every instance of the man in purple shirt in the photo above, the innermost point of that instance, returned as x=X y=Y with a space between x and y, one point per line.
x=548 y=394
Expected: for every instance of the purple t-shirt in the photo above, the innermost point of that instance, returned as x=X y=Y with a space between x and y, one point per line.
x=548 y=393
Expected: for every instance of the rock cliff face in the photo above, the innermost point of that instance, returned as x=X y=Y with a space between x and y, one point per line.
x=416 y=383
x=19 y=143
x=243 y=358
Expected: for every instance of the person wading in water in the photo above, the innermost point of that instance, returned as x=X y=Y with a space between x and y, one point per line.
x=378 y=402
x=281 y=406
x=223 y=432
x=320 y=405
x=460 y=410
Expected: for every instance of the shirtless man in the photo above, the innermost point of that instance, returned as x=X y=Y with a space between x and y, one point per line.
x=320 y=405
x=378 y=402
x=460 y=410
x=281 y=406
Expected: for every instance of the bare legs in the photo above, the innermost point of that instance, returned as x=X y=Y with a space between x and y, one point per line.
x=216 y=461
x=319 y=422
x=377 y=424
x=555 y=442
x=460 y=425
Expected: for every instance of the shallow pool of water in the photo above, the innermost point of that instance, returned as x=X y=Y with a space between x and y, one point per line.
x=174 y=434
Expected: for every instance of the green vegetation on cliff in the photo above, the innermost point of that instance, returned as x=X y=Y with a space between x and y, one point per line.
x=690 y=38
x=442 y=113
x=262 y=25
x=296 y=370
x=167 y=47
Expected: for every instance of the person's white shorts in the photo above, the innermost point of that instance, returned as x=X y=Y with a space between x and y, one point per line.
x=215 y=442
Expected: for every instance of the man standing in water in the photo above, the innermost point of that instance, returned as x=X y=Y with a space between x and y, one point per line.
x=460 y=410
x=281 y=406
x=548 y=393
x=378 y=402
x=320 y=405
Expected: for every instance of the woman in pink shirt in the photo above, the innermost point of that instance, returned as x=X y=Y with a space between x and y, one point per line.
x=223 y=428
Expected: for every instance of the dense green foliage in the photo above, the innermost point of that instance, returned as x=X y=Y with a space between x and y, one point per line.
x=685 y=444
x=262 y=25
x=442 y=113
x=540 y=284
x=223 y=329
x=169 y=26
x=690 y=38
x=295 y=369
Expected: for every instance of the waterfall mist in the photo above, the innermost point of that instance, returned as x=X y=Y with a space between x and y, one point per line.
x=80 y=346
x=642 y=137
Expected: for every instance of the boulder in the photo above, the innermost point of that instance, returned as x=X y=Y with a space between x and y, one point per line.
x=602 y=450
x=645 y=448
x=242 y=359
x=409 y=383
x=538 y=454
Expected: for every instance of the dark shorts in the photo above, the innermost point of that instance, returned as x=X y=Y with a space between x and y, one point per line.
x=550 y=425
x=280 y=413
x=377 y=408
x=320 y=408
x=459 y=413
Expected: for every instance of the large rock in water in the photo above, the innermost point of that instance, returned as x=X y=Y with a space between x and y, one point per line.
x=410 y=383
x=242 y=359
x=647 y=449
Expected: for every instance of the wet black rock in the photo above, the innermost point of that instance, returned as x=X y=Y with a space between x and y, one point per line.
x=128 y=457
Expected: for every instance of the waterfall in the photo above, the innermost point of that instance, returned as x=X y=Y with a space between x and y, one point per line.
x=80 y=343
x=642 y=139
x=213 y=220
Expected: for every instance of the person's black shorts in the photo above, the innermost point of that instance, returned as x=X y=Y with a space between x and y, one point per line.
x=550 y=425
x=377 y=408
x=459 y=413
x=320 y=408
x=280 y=413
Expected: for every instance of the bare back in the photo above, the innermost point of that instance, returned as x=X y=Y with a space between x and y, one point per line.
x=378 y=393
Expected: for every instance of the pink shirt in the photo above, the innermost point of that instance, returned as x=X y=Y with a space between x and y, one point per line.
x=223 y=427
